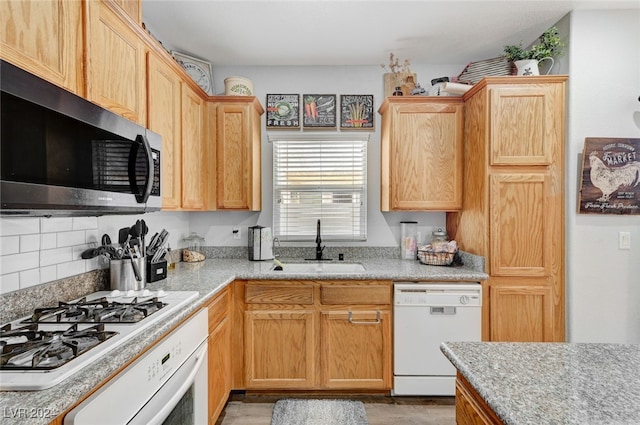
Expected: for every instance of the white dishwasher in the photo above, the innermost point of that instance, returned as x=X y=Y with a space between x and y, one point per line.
x=424 y=316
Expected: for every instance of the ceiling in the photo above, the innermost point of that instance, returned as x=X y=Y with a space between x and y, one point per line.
x=353 y=32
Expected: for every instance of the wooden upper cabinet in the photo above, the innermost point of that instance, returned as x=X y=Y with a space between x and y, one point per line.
x=238 y=159
x=522 y=124
x=44 y=38
x=193 y=182
x=421 y=154
x=116 y=77
x=163 y=106
x=132 y=8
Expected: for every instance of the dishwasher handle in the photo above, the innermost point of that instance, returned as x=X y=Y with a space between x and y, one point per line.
x=365 y=322
x=442 y=310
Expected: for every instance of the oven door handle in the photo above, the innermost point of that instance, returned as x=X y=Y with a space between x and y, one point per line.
x=150 y=415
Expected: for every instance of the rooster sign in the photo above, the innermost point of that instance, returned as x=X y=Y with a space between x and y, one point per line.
x=610 y=176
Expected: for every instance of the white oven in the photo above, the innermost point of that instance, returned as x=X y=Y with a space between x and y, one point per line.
x=166 y=385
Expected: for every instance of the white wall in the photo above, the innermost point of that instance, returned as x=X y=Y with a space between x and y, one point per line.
x=603 y=282
x=383 y=228
x=35 y=250
x=40 y=250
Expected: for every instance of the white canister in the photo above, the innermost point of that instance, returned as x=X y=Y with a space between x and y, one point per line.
x=238 y=86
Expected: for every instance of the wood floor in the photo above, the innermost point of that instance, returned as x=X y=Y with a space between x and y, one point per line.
x=256 y=410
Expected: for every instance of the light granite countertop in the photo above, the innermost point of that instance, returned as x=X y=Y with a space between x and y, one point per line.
x=208 y=278
x=553 y=383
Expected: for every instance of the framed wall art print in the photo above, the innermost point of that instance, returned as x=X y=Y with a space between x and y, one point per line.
x=610 y=182
x=356 y=112
x=283 y=111
x=319 y=111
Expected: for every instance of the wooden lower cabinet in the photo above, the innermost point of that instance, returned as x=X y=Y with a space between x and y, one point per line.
x=292 y=340
x=219 y=347
x=280 y=349
x=355 y=351
x=471 y=409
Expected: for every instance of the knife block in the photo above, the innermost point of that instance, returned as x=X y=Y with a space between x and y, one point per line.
x=156 y=271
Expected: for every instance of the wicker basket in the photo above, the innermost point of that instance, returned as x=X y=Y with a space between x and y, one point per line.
x=433 y=258
x=476 y=71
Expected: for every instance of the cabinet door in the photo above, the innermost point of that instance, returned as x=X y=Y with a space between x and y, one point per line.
x=424 y=154
x=219 y=369
x=280 y=349
x=133 y=8
x=193 y=183
x=471 y=409
x=44 y=38
x=522 y=313
x=521 y=224
x=523 y=124
x=356 y=349
x=219 y=354
x=238 y=156
x=115 y=64
x=163 y=104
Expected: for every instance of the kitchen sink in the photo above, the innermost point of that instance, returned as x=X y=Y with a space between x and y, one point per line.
x=320 y=267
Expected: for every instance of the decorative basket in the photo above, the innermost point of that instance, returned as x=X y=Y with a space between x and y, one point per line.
x=476 y=71
x=436 y=258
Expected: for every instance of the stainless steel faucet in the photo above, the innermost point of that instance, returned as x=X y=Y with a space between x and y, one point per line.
x=319 y=247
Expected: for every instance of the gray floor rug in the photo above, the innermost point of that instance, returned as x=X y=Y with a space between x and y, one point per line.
x=293 y=411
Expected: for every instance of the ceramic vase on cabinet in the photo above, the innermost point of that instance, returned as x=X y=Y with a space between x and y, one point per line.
x=531 y=66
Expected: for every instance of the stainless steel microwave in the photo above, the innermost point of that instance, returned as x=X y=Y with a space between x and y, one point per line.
x=63 y=155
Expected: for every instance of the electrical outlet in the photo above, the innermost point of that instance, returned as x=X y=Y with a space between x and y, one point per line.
x=624 y=240
x=236 y=233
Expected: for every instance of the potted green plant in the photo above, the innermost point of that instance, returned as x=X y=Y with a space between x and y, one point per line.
x=527 y=61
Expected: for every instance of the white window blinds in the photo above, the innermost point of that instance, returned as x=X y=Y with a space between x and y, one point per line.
x=321 y=178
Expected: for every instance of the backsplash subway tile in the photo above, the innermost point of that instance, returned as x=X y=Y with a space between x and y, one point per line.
x=38 y=250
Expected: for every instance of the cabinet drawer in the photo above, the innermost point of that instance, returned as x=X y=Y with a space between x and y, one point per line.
x=355 y=294
x=218 y=309
x=278 y=294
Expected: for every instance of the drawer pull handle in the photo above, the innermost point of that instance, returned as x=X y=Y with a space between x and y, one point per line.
x=369 y=322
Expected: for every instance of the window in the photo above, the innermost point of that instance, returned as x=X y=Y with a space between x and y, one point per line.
x=320 y=177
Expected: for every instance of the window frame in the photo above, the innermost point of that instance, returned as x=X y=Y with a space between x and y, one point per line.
x=305 y=228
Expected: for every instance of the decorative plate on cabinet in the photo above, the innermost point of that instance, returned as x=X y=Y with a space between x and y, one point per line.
x=198 y=69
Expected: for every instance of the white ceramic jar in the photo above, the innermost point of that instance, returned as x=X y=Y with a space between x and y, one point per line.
x=238 y=86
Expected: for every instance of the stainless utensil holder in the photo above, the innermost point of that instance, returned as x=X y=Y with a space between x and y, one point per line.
x=122 y=276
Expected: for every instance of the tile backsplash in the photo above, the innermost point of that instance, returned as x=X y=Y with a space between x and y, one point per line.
x=35 y=250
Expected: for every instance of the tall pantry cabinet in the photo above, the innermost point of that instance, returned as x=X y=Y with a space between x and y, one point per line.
x=513 y=204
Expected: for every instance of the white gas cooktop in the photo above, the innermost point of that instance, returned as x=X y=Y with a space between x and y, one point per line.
x=39 y=379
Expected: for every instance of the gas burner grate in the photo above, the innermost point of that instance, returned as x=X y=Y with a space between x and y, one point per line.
x=27 y=348
x=97 y=311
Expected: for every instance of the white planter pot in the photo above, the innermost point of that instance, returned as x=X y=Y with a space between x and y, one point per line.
x=531 y=66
